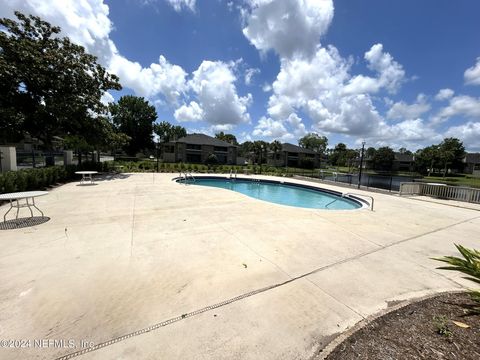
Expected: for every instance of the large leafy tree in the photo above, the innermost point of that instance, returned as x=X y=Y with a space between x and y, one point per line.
x=275 y=146
x=230 y=138
x=338 y=155
x=134 y=116
x=48 y=85
x=167 y=132
x=451 y=151
x=427 y=159
x=260 y=149
x=383 y=158
x=246 y=149
x=314 y=142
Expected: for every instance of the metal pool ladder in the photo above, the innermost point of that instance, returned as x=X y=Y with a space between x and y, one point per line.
x=232 y=174
x=186 y=175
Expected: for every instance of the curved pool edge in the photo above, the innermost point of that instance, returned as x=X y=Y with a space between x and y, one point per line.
x=364 y=204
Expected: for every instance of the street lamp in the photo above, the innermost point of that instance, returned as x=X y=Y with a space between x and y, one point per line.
x=361 y=166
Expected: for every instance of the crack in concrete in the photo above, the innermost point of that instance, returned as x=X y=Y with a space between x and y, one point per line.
x=248 y=294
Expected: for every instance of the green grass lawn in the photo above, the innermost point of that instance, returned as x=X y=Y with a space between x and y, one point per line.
x=460 y=180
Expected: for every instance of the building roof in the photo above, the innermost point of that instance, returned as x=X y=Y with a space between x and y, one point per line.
x=473 y=158
x=202 y=139
x=403 y=157
x=295 y=148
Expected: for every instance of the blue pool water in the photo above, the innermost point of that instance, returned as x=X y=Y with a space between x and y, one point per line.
x=285 y=194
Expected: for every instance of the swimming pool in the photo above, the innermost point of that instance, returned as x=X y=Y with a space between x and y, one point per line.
x=283 y=193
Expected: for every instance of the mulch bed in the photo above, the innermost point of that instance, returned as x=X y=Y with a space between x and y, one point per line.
x=422 y=330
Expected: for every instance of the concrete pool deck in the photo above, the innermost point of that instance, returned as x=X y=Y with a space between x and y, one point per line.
x=239 y=277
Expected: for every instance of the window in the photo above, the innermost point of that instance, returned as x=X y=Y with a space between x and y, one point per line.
x=194 y=147
x=220 y=148
x=194 y=158
x=222 y=159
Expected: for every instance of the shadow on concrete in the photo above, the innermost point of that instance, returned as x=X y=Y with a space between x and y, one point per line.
x=111 y=176
x=23 y=222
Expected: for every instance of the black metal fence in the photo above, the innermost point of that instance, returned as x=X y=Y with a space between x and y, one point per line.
x=385 y=182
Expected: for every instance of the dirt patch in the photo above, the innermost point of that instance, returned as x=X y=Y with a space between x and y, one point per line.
x=423 y=330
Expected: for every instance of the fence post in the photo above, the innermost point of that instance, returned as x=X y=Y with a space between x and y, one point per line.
x=391 y=179
x=68 y=157
x=8 y=158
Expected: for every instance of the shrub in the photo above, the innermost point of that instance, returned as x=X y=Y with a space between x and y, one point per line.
x=470 y=265
x=211 y=159
x=307 y=164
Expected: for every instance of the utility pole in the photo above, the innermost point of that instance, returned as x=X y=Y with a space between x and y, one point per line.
x=361 y=166
x=158 y=153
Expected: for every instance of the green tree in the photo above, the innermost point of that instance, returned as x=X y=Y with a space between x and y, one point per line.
x=383 y=159
x=451 y=151
x=403 y=150
x=349 y=156
x=163 y=130
x=246 y=150
x=230 y=138
x=370 y=152
x=338 y=155
x=316 y=143
x=427 y=159
x=178 y=132
x=167 y=132
x=275 y=146
x=48 y=85
x=260 y=149
x=134 y=116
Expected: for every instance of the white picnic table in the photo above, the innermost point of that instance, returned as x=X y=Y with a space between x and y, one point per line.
x=86 y=175
x=15 y=198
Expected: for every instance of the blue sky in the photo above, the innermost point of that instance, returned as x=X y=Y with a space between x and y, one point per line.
x=399 y=73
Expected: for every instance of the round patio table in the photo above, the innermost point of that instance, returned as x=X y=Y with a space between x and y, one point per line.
x=15 y=198
x=86 y=175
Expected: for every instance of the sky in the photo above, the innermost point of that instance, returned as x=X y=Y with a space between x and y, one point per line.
x=390 y=73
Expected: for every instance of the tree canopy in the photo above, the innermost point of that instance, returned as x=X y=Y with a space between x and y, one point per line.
x=383 y=158
x=341 y=155
x=447 y=155
x=167 y=132
x=48 y=85
x=230 y=138
x=134 y=116
x=314 y=142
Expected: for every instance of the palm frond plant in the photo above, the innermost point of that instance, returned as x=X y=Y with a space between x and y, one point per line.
x=469 y=265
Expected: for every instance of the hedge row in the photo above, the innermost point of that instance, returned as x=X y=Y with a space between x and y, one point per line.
x=151 y=166
x=40 y=178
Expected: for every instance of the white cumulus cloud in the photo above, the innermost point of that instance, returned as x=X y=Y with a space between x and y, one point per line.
x=461 y=105
x=469 y=133
x=444 y=94
x=217 y=101
x=190 y=112
x=402 y=110
x=289 y=27
x=472 y=75
x=249 y=74
x=178 y=5
x=87 y=23
x=390 y=74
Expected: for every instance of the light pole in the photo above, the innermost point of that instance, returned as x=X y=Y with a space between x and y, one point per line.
x=361 y=166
